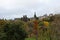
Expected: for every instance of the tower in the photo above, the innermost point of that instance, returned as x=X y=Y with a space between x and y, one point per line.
x=35 y=17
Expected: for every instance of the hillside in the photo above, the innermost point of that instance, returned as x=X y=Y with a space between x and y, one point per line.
x=47 y=27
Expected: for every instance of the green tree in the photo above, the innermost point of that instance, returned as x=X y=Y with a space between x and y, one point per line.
x=12 y=31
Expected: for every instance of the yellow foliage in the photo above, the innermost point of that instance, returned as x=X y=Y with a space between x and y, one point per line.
x=2 y=22
x=46 y=23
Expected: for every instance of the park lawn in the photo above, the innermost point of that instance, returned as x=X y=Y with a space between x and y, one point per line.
x=30 y=39
x=45 y=38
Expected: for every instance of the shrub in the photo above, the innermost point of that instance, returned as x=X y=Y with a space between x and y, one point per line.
x=12 y=31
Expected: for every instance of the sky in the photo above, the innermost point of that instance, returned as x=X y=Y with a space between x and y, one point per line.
x=11 y=9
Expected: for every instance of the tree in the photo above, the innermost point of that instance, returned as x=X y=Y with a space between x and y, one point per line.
x=12 y=31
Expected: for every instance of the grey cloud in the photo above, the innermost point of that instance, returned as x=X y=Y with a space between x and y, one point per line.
x=18 y=8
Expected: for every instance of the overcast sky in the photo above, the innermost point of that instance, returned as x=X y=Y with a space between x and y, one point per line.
x=17 y=8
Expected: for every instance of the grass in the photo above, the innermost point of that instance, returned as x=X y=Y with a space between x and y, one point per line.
x=30 y=39
x=38 y=39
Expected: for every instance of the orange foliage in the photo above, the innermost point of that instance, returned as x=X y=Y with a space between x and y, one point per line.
x=35 y=24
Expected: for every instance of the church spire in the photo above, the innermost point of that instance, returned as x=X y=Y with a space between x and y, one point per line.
x=35 y=15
